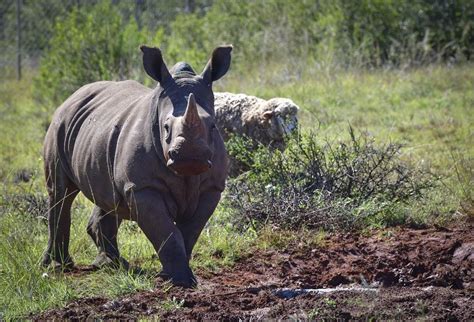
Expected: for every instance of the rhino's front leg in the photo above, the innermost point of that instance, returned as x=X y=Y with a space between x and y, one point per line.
x=191 y=227
x=153 y=217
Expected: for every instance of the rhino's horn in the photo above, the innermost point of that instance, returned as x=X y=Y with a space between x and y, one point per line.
x=191 y=116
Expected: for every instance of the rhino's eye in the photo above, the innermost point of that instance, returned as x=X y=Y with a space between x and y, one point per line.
x=167 y=133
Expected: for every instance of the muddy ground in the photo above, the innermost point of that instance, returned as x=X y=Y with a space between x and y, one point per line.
x=397 y=273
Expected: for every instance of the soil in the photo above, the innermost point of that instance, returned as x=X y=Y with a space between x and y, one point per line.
x=400 y=273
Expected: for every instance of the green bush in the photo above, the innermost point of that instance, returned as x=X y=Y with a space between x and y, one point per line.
x=99 y=42
x=332 y=185
x=348 y=33
x=87 y=46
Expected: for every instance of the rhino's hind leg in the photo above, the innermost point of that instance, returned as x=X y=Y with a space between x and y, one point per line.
x=103 y=229
x=61 y=195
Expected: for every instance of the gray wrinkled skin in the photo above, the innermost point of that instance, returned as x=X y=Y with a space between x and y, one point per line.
x=266 y=122
x=149 y=155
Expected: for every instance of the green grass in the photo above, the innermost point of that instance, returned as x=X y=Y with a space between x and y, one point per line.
x=424 y=108
x=428 y=109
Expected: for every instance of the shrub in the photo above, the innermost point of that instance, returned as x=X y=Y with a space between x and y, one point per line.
x=100 y=42
x=345 y=185
x=89 y=44
x=348 y=33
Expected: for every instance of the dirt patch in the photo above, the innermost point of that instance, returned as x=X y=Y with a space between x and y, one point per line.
x=399 y=273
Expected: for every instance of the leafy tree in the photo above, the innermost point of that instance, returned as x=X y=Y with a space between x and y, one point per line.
x=360 y=33
x=99 y=41
x=87 y=46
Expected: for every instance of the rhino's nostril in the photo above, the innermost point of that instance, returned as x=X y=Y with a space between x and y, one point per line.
x=209 y=163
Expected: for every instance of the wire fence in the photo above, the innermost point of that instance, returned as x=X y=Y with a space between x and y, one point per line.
x=25 y=28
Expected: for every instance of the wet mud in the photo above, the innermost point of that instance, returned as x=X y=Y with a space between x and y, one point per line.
x=398 y=273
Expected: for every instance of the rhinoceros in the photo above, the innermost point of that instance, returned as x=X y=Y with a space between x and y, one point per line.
x=153 y=156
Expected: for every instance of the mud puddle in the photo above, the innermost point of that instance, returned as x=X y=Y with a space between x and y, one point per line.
x=398 y=273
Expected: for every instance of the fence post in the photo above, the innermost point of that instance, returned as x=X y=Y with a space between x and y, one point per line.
x=189 y=6
x=18 y=39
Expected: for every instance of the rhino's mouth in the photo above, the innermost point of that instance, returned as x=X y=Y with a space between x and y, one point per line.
x=190 y=167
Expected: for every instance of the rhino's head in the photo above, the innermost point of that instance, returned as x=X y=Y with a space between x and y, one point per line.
x=184 y=104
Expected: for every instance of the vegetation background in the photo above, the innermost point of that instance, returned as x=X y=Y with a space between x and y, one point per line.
x=389 y=71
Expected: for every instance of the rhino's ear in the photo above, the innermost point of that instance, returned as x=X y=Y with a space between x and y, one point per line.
x=154 y=65
x=218 y=65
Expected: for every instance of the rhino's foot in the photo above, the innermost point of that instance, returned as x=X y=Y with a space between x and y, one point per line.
x=188 y=281
x=103 y=261
x=62 y=265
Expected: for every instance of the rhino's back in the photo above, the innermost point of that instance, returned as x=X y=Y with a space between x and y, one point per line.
x=104 y=96
x=85 y=131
